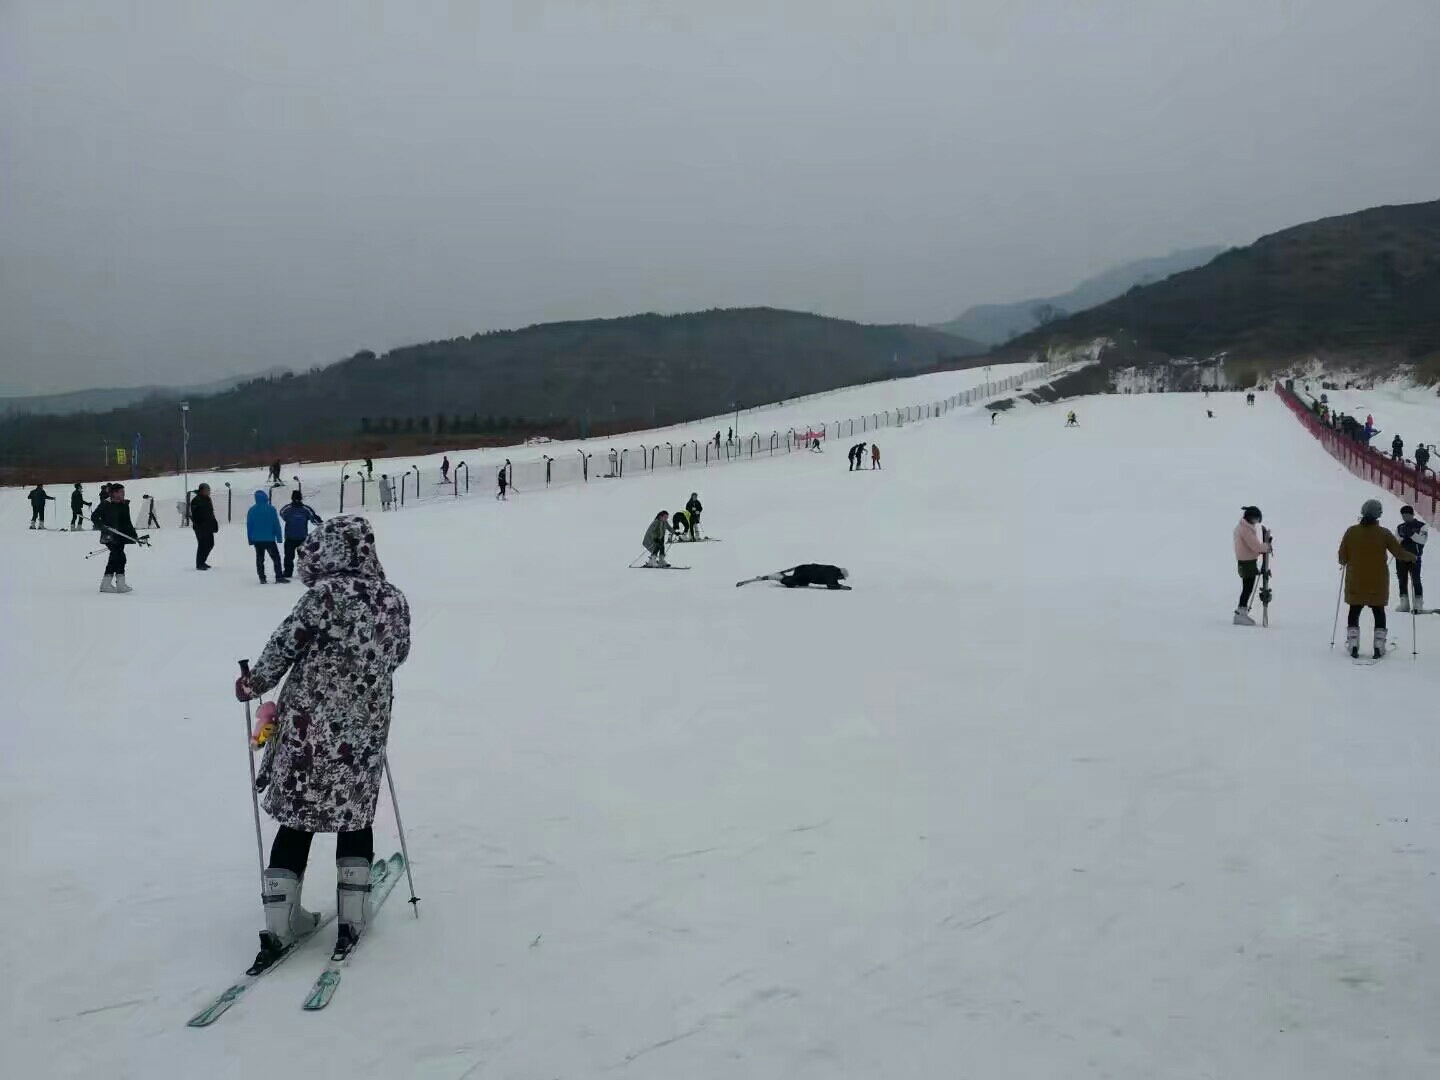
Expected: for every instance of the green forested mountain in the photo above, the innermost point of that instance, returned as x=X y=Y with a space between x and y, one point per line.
x=642 y=369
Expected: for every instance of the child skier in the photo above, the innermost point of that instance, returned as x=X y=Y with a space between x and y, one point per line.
x=1414 y=535
x=654 y=541
x=324 y=761
x=1367 y=577
x=1249 y=547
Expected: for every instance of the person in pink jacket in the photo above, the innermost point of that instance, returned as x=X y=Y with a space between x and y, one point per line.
x=1248 y=549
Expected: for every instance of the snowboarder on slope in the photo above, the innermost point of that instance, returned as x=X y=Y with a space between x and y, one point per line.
x=37 y=499
x=1249 y=547
x=325 y=759
x=1413 y=534
x=116 y=530
x=77 y=514
x=205 y=524
x=262 y=529
x=654 y=541
x=1367 y=577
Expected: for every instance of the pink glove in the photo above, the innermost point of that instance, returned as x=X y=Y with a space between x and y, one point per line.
x=264 y=724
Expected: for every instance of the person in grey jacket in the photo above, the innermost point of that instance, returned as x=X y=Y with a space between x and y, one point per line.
x=655 y=539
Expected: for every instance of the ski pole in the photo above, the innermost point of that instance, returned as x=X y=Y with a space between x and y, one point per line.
x=400 y=825
x=1414 y=645
x=254 y=795
x=1340 y=591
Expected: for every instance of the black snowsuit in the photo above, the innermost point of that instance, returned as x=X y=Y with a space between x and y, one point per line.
x=206 y=525
x=115 y=532
x=38 y=498
x=77 y=511
x=798 y=577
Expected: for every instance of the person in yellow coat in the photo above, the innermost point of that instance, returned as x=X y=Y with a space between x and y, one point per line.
x=1367 y=573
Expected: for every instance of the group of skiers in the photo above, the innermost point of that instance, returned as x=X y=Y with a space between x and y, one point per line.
x=1363 y=557
x=686 y=526
x=857 y=456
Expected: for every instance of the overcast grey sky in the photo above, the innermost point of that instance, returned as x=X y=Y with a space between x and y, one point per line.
x=189 y=190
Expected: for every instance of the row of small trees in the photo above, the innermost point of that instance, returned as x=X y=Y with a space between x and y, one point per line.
x=453 y=425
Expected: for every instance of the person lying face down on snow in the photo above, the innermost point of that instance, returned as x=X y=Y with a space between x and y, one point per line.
x=805 y=575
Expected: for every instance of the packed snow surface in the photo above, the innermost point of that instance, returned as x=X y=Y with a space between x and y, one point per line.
x=1024 y=804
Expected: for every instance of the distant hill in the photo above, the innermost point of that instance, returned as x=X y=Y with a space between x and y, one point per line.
x=103 y=400
x=1362 y=289
x=995 y=324
x=640 y=370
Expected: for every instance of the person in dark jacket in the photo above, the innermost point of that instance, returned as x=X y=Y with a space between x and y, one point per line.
x=807 y=574
x=205 y=524
x=325 y=760
x=262 y=529
x=77 y=504
x=1422 y=457
x=1397 y=448
x=298 y=518
x=502 y=478
x=38 y=498
x=1413 y=534
x=116 y=531
x=694 y=509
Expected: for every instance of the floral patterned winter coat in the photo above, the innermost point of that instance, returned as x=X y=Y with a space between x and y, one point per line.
x=341 y=644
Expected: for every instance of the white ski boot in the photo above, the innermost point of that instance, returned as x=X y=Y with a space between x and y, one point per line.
x=285 y=920
x=1404 y=604
x=1419 y=608
x=1242 y=617
x=107 y=583
x=1380 y=636
x=120 y=585
x=1352 y=642
x=352 y=901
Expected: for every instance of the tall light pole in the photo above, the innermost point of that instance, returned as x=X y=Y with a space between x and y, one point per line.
x=185 y=447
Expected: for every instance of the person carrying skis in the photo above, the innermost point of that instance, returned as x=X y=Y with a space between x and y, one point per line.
x=205 y=524
x=116 y=530
x=654 y=541
x=1397 y=448
x=1367 y=577
x=1413 y=534
x=77 y=514
x=38 y=498
x=298 y=518
x=325 y=759
x=1249 y=547
x=262 y=529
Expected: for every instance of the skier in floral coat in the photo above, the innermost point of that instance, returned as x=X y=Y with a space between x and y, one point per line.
x=325 y=758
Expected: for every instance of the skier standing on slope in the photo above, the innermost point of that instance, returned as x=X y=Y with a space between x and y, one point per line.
x=654 y=541
x=205 y=524
x=37 y=499
x=116 y=530
x=1367 y=576
x=694 y=509
x=262 y=529
x=1249 y=547
x=1414 y=534
x=77 y=514
x=325 y=758
x=1071 y=420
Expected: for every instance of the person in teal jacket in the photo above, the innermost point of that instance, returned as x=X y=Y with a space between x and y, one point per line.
x=262 y=529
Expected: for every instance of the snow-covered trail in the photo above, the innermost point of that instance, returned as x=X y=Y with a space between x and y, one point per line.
x=1022 y=804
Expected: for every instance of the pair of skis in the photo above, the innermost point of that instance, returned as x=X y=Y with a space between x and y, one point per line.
x=383 y=876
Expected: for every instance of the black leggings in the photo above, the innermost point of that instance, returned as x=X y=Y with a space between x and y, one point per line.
x=1249 y=571
x=291 y=849
x=1408 y=572
x=1356 y=609
x=116 y=563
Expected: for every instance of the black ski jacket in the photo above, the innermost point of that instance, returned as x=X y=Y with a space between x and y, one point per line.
x=114 y=519
x=202 y=515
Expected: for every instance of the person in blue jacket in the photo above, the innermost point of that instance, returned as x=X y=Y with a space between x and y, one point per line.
x=298 y=518
x=262 y=529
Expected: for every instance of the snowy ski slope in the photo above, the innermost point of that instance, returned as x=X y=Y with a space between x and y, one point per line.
x=1023 y=804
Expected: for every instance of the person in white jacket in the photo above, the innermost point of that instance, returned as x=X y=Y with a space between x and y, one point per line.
x=1413 y=534
x=1249 y=547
